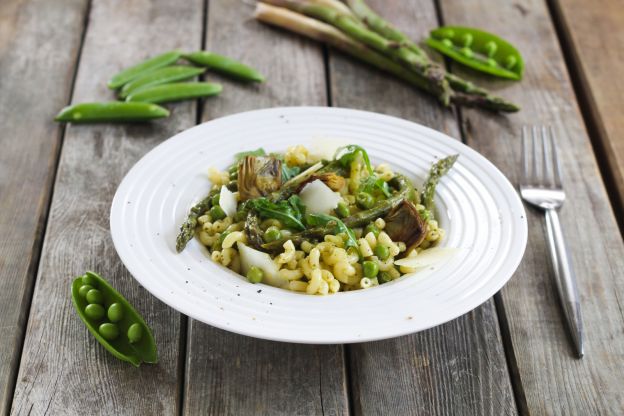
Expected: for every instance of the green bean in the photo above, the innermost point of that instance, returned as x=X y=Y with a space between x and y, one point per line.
x=113 y=329
x=177 y=91
x=141 y=68
x=111 y=111
x=224 y=65
x=160 y=76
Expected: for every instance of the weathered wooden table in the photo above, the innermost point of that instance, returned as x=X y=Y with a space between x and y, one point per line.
x=509 y=356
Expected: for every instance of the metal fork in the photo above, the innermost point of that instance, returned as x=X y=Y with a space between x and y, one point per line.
x=542 y=188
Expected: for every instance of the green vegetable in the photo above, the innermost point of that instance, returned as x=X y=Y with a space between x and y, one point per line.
x=370 y=268
x=289 y=212
x=479 y=50
x=138 y=70
x=113 y=111
x=160 y=76
x=216 y=213
x=242 y=155
x=224 y=65
x=84 y=290
x=334 y=224
x=271 y=234
x=342 y=210
x=372 y=228
x=255 y=274
x=95 y=296
x=438 y=169
x=289 y=172
x=384 y=277
x=115 y=312
x=112 y=335
x=382 y=252
x=176 y=91
x=375 y=185
x=135 y=333
x=187 y=229
x=215 y=200
x=364 y=200
x=347 y=154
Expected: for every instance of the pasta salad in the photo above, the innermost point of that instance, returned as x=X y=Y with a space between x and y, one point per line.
x=297 y=221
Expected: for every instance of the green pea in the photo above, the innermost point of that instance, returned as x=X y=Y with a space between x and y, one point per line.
x=115 y=312
x=240 y=215
x=384 y=277
x=364 y=200
x=382 y=252
x=370 y=268
x=510 y=62
x=95 y=296
x=467 y=39
x=342 y=210
x=371 y=228
x=89 y=280
x=94 y=311
x=490 y=48
x=135 y=332
x=109 y=331
x=467 y=52
x=272 y=234
x=447 y=42
x=83 y=290
x=216 y=213
x=492 y=62
x=255 y=274
x=215 y=200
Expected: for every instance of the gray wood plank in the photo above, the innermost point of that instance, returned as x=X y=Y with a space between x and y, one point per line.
x=33 y=87
x=457 y=368
x=553 y=381
x=229 y=374
x=63 y=369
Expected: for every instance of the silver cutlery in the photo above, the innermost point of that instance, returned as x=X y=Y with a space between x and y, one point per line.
x=541 y=187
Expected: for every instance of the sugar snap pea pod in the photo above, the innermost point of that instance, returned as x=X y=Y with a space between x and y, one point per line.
x=126 y=336
x=141 y=68
x=224 y=65
x=176 y=91
x=479 y=50
x=112 y=111
x=160 y=76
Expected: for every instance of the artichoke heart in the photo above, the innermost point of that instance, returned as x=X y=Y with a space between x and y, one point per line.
x=404 y=224
x=258 y=176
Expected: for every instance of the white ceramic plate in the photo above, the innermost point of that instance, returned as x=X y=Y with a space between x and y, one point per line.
x=477 y=206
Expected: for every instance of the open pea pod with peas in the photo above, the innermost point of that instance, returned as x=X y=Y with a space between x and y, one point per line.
x=479 y=50
x=112 y=320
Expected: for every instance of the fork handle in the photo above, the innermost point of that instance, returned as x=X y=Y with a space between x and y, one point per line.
x=565 y=279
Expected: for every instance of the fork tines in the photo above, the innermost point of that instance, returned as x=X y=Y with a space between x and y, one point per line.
x=548 y=172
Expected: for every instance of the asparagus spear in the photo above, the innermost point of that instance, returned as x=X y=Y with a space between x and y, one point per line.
x=323 y=32
x=358 y=31
x=438 y=169
x=187 y=229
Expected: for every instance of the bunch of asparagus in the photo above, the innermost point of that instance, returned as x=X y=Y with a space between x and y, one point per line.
x=358 y=31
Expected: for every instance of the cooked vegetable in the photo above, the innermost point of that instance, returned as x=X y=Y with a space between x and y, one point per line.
x=342 y=210
x=224 y=65
x=347 y=154
x=479 y=50
x=255 y=275
x=332 y=225
x=290 y=212
x=113 y=111
x=112 y=330
x=437 y=170
x=160 y=76
x=176 y=91
x=250 y=257
x=375 y=186
x=404 y=224
x=258 y=176
x=319 y=198
x=142 y=68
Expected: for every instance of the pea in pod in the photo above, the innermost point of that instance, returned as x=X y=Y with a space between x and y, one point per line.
x=126 y=335
x=479 y=50
x=141 y=68
x=116 y=111
x=160 y=76
x=224 y=65
x=175 y=92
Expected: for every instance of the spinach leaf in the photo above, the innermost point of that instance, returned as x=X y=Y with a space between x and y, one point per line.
x=321 y=220
x=347 y=154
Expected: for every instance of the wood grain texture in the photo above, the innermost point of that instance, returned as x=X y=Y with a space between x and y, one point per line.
x=594 y=40
x=458 y=368
x=63 y=369
x=30 y=141
x=229 y=374
x=552 y=380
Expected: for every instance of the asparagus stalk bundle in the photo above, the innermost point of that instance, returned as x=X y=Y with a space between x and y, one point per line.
x=366 y=36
